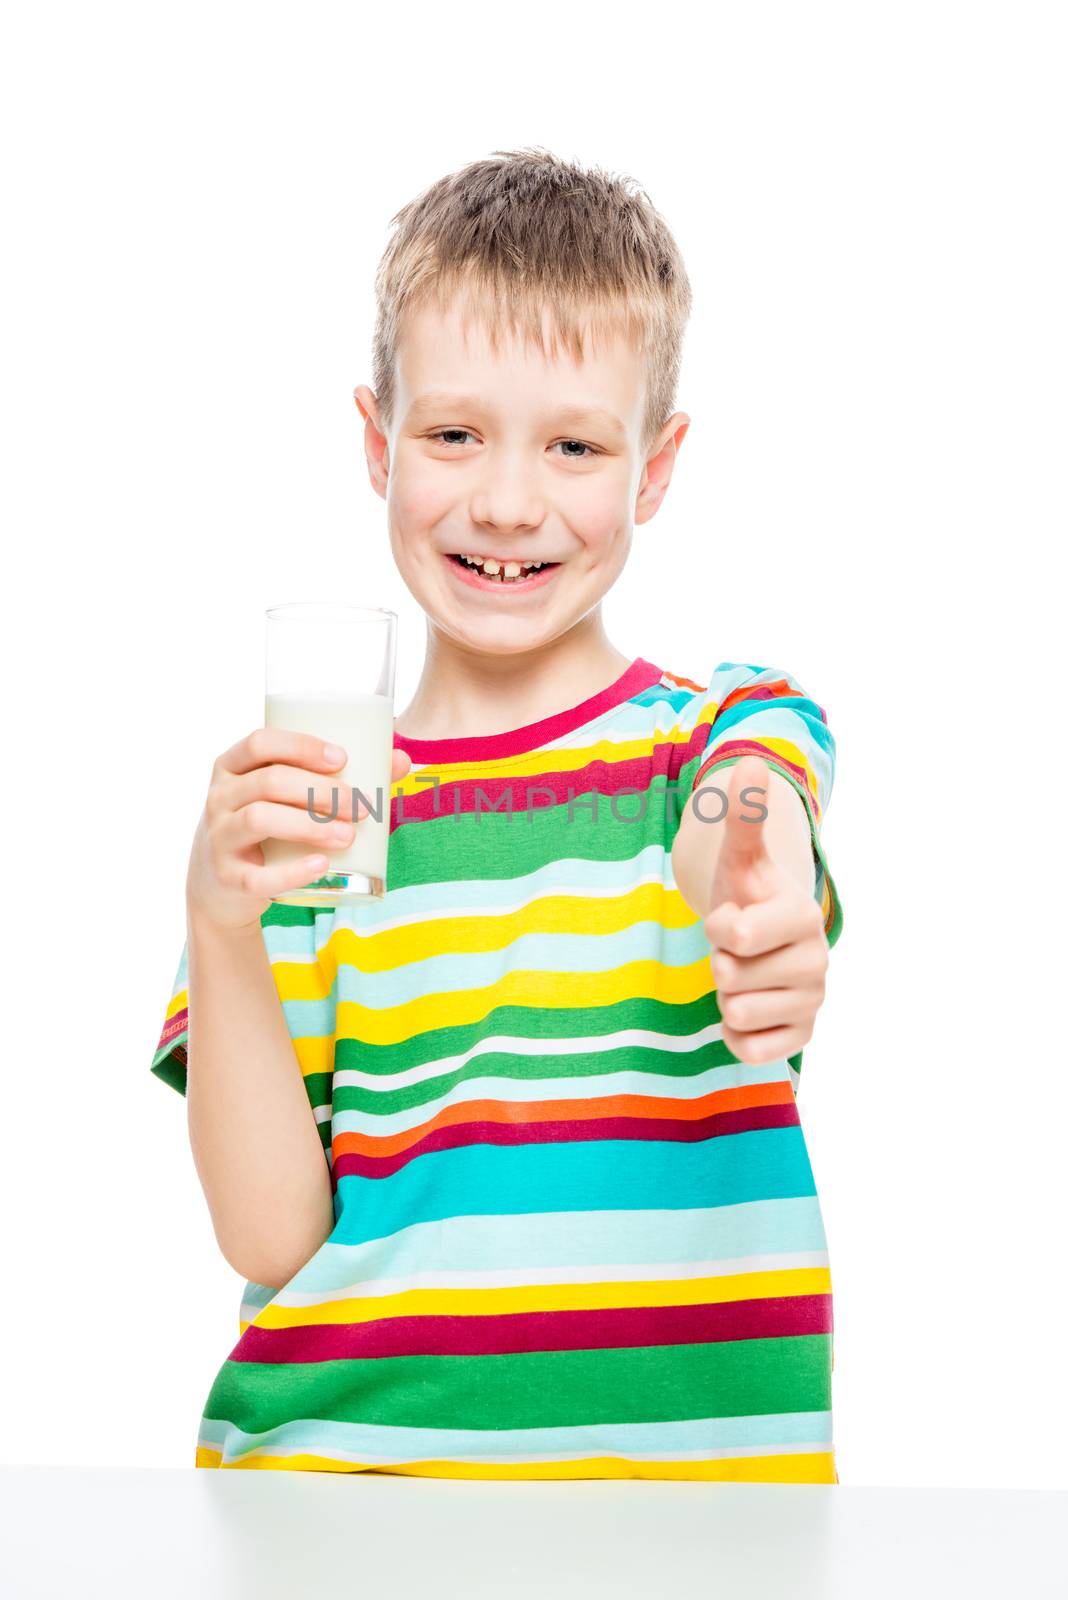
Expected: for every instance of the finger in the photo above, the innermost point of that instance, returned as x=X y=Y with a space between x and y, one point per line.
x=263 y=819
x=720 y=925
x=264 y=745
x=758 y=1009
x=264 y=882
x=289 y=786
x=757 y=1049
x=401 y=765
x=796 y=966
x=765 y=924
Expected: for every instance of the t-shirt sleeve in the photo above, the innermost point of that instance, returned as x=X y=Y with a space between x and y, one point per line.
x=764 y=711
x=169 y=1061
x=304 y=970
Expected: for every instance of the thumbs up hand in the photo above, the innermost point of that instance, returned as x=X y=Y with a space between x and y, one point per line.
x=769 y=950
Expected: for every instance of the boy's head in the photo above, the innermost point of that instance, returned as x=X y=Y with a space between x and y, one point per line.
x=526 y=358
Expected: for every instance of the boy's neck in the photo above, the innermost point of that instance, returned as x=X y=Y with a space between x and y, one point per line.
x=463 y=693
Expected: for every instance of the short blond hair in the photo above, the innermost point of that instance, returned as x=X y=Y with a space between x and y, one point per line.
x=522 y=233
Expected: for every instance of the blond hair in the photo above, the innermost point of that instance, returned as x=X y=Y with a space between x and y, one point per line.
x=527 y=234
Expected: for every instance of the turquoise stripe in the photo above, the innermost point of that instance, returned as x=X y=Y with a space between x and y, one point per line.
x=797 y=720
x=542 y=1239
x=659 y=694
x=584 y=1175
x=531 y=952
x=296 y=939
x=568 y=873
x=359 y=1441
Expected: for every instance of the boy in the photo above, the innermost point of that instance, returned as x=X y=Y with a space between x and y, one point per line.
x=566 y=1225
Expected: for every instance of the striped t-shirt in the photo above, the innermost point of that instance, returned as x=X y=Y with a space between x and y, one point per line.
x=574 y=1236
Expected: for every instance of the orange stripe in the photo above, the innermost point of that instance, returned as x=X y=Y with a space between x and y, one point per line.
x=779 y=689
x=584 y=1110
x=685 y=683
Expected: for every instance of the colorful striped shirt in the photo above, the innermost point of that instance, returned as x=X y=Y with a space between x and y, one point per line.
x=574 y=1236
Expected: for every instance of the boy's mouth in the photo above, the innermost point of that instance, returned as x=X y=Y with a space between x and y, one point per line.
x=485 y=572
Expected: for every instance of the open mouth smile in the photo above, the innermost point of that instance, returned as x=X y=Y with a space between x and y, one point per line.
x=486 y=572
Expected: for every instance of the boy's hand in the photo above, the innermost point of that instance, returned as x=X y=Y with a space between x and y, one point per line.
x=769 y=950
x=259 y=790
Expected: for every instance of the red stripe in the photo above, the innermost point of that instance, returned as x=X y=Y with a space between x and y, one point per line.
x=641 y=674
x=540 y=790
x=750 y=747
x=177 y=1024
x=522 y=1332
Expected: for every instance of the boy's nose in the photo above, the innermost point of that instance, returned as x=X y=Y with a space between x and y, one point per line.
x=507 y=503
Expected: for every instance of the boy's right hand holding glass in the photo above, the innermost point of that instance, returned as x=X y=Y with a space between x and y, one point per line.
x=259 y=790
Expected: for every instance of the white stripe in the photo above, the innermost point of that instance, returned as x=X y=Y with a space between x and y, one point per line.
x=353 y=1078
x=655 y=1272
x=731 y=1453
x=538 y=890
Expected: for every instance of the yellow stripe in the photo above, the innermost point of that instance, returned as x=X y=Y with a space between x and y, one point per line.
x=783 y=749
x=179 y=1003
x=315 y=1054
x=476 y=935
x=653 y=1293
x=304 y=980
x=811 y=1466
x=543 y=990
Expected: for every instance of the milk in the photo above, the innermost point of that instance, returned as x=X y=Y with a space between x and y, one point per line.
x=362 y=724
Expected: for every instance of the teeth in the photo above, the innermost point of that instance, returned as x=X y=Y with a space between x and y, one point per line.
x=503 y=571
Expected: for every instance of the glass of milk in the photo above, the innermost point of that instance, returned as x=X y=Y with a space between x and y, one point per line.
x=330 y=673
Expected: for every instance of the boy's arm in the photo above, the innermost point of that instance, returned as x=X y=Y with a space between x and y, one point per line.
x=697 y=842
x=256 y=1145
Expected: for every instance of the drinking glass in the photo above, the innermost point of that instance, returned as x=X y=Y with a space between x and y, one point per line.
x=330 y=673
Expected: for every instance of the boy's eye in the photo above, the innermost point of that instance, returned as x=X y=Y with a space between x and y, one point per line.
x=443 y=431
x=443 y=435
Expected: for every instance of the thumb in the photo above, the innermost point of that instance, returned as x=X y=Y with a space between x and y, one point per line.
x=743 y=847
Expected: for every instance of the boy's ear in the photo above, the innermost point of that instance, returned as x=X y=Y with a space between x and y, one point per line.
x=375 y=444
x=659 y=467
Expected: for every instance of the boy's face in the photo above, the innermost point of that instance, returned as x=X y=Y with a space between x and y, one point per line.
x=512 y=456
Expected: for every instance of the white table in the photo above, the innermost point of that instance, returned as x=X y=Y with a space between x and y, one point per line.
x=76 y=1533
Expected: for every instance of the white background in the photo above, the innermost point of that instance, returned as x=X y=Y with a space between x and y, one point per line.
x=871 y=204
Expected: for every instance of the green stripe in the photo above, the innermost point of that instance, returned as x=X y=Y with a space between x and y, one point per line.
x=535 y=1022
x=542 y=1389
x=170 y=1070
x=585 y=1069
x=450 y=848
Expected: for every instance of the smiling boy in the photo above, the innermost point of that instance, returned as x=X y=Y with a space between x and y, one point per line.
x=566 y=1225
